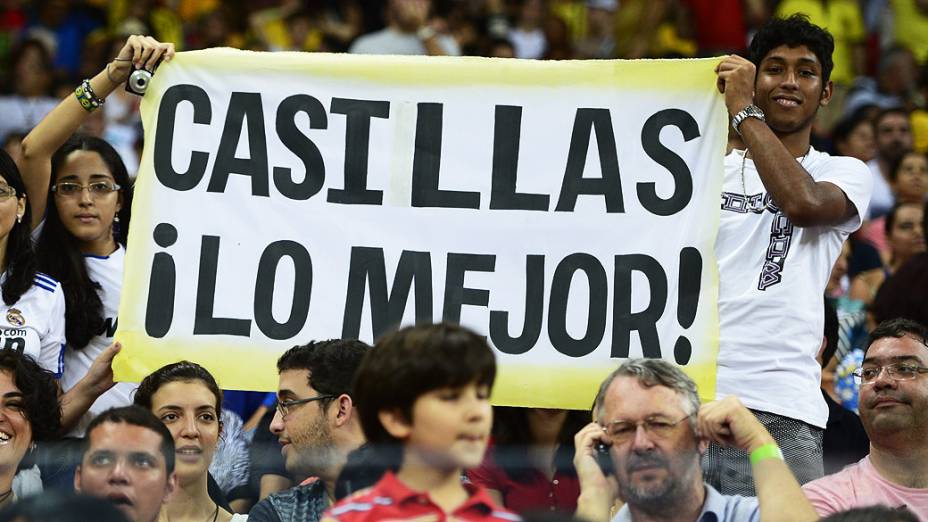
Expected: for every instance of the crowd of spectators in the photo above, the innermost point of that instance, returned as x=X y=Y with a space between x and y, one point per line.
x=46 y=47
x=878 y=114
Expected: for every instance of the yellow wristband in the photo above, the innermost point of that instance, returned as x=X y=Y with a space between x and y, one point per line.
x=767 y=451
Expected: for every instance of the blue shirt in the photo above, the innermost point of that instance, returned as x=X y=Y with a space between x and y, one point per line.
x=716 y=508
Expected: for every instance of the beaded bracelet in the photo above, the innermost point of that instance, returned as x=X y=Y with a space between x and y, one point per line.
x=86 y=97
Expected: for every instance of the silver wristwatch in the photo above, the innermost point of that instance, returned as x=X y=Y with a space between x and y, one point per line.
x=751 y=111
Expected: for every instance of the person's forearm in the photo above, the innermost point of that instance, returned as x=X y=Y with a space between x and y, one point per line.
x=592 y=508
x=803 y=200
x=75 y=403
x=778 y=493
x=65 y=118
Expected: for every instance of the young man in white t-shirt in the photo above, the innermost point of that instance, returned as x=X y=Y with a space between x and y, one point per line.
x=786 y=210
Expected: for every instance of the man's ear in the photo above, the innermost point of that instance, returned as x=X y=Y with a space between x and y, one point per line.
x=395 y=423
x=703 y=446
x=343 y=410
x=77 y=478
x=170 y=488
x=827 y=91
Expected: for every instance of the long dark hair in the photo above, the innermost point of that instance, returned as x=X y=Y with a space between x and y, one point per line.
x=512 y=438
x=21 y=263
x=59 y=251
x=40 y=393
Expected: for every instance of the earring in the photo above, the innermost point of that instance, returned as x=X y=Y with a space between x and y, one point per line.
x=116 y=218
x=19 y=218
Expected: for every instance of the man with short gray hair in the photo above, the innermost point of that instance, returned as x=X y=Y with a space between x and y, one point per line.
x=653 y=432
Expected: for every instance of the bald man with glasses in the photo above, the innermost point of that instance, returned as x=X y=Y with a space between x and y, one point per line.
x=894 y=412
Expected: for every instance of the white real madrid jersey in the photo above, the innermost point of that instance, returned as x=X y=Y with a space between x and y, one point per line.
x=107 y=272
x=34 y=324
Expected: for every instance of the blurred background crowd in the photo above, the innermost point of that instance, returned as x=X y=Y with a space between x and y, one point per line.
x=48 y=46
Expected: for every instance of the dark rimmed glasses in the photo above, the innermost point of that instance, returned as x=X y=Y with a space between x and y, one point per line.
x=283 y=407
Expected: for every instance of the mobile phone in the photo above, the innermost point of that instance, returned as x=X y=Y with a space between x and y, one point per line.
x=603 y=458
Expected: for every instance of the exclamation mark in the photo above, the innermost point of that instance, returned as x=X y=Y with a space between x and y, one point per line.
x=688 y=300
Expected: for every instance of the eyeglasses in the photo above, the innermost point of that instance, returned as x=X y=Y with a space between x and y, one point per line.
x=283 y=407
x=898 y=372
x=621 y=431
x=97 y=189
x=7 y=191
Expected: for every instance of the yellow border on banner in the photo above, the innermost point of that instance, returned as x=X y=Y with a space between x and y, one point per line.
x=516 y=385
x=577 y=387
x=461 y=71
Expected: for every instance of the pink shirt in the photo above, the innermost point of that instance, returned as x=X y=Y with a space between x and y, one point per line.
x=859 y=485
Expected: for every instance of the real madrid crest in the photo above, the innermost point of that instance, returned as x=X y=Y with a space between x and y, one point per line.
x=15 y=318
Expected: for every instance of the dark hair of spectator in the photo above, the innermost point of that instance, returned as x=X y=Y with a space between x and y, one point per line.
x=898 y=328
x=59 y=252
x=13 y=137
x=792 y=32
x=18 y=53
x=62 y=506
x=512 y=438
x=844 y=128
x=830 y=334
x=181 y=371
x=40 y=393
x=406 y=364
x=135 y=416
x=890 y=219
x=363 y=468
x=891 y=111
x=331 y=364
x=21 y=263
x=894 y=170
x=494 y=43
x=873 y=514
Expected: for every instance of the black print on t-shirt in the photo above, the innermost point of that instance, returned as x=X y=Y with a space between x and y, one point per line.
x=781 y=232
x=13 y=338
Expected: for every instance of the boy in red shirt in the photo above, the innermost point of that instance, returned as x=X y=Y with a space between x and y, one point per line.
x=423 y=396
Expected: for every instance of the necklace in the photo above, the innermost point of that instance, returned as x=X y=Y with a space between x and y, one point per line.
x=750 y=203
x=215 y=513
x=6 y=495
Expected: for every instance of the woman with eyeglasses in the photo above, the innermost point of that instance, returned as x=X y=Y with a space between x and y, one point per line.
x=81 y=195
x=186 y=398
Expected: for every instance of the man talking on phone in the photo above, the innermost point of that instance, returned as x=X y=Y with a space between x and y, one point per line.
x=650 y=422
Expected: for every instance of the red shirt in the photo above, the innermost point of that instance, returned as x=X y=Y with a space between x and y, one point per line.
x=390 y=499
x=537 y=493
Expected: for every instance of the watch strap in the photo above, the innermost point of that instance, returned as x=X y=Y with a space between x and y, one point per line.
x=751 y=111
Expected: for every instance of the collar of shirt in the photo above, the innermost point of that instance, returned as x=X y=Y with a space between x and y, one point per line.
x=391 y=486
x=713 y=508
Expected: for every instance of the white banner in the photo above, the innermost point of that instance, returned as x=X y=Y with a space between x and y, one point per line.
x=566 y=210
